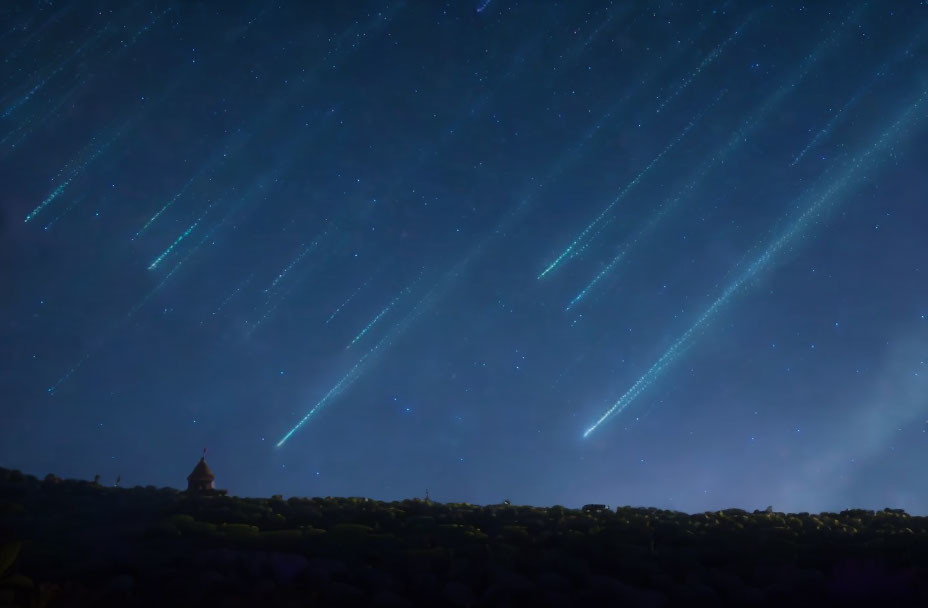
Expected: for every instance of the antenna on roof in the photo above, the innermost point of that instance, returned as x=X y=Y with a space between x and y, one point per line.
x=204 y=453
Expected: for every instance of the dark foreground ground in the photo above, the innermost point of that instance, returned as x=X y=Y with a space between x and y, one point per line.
x=75 y=543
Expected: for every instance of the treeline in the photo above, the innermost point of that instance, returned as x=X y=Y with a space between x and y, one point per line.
x=101 y=546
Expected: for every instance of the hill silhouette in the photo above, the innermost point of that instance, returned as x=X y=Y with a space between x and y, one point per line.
x=77 y=543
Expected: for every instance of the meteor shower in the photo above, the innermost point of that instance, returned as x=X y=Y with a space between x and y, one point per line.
x=662 y=254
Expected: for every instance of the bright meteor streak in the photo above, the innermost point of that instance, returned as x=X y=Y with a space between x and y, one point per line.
x=256 y=193
x=637 y=179
x=820 y=204
x=369 y=357
x=383 y=312
x=80 y=168
x=505 y=223
x=373 y=322
x=177 y=241
x=165 y=207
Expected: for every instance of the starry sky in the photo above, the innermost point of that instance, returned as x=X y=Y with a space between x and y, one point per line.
x=667 y=254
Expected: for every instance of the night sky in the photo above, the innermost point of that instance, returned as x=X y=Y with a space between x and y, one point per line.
x=667 y=254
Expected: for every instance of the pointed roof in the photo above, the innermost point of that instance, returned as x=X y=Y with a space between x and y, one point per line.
x=201 y=472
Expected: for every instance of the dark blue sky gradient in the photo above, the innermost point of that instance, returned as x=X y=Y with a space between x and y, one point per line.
x=216 y=217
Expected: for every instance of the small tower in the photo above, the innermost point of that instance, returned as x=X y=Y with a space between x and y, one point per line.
x=201 y=479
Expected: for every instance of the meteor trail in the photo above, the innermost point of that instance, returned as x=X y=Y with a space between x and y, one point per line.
x=884 y=68
x=293 y=262
x=373 y=322
x=635 y=181
x=67 y=210
x=270 y=308
x=24 y=128
x=280 y=101
x=712 y=56
x=40 y=29
x=166 y=206
x=183 y=235
x=63 y=64
x=42 y=81
x=473 y=108
x=737 y=139
x=288 y=156
x=612 y=14
x=232 y=295
x=127 y=125
x=406 y=290
x=819 y=205
x=124 y=320
x=444 y=284
x=446 y=281
x=80 y=168
x=372 y=354
x=345 y=303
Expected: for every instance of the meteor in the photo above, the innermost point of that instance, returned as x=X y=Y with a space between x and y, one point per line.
x=166 y=206
x=613 y=13
x=473 y=108
x=24 y=127
x=105 y=335
x=884 y=68
x=654 y=68
x=80 y=166
x=252 y=193
x=280 y=101
x=270 y=308
x=446 y=281
x=828 y=126
x=41 y=81
x=75 y=172
x=372 y=355
x=708 y=59
x=380 y=315
x=345 y=303
x=183 y=235
x=67 y=210
x=288 y=161
x=373 y=322
x=83 y=80
x=232 y=295
x=302 y=254
x=145 y=28
x=819 y=205
x=738 y=138
x=38 y=30
x=635 y=181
